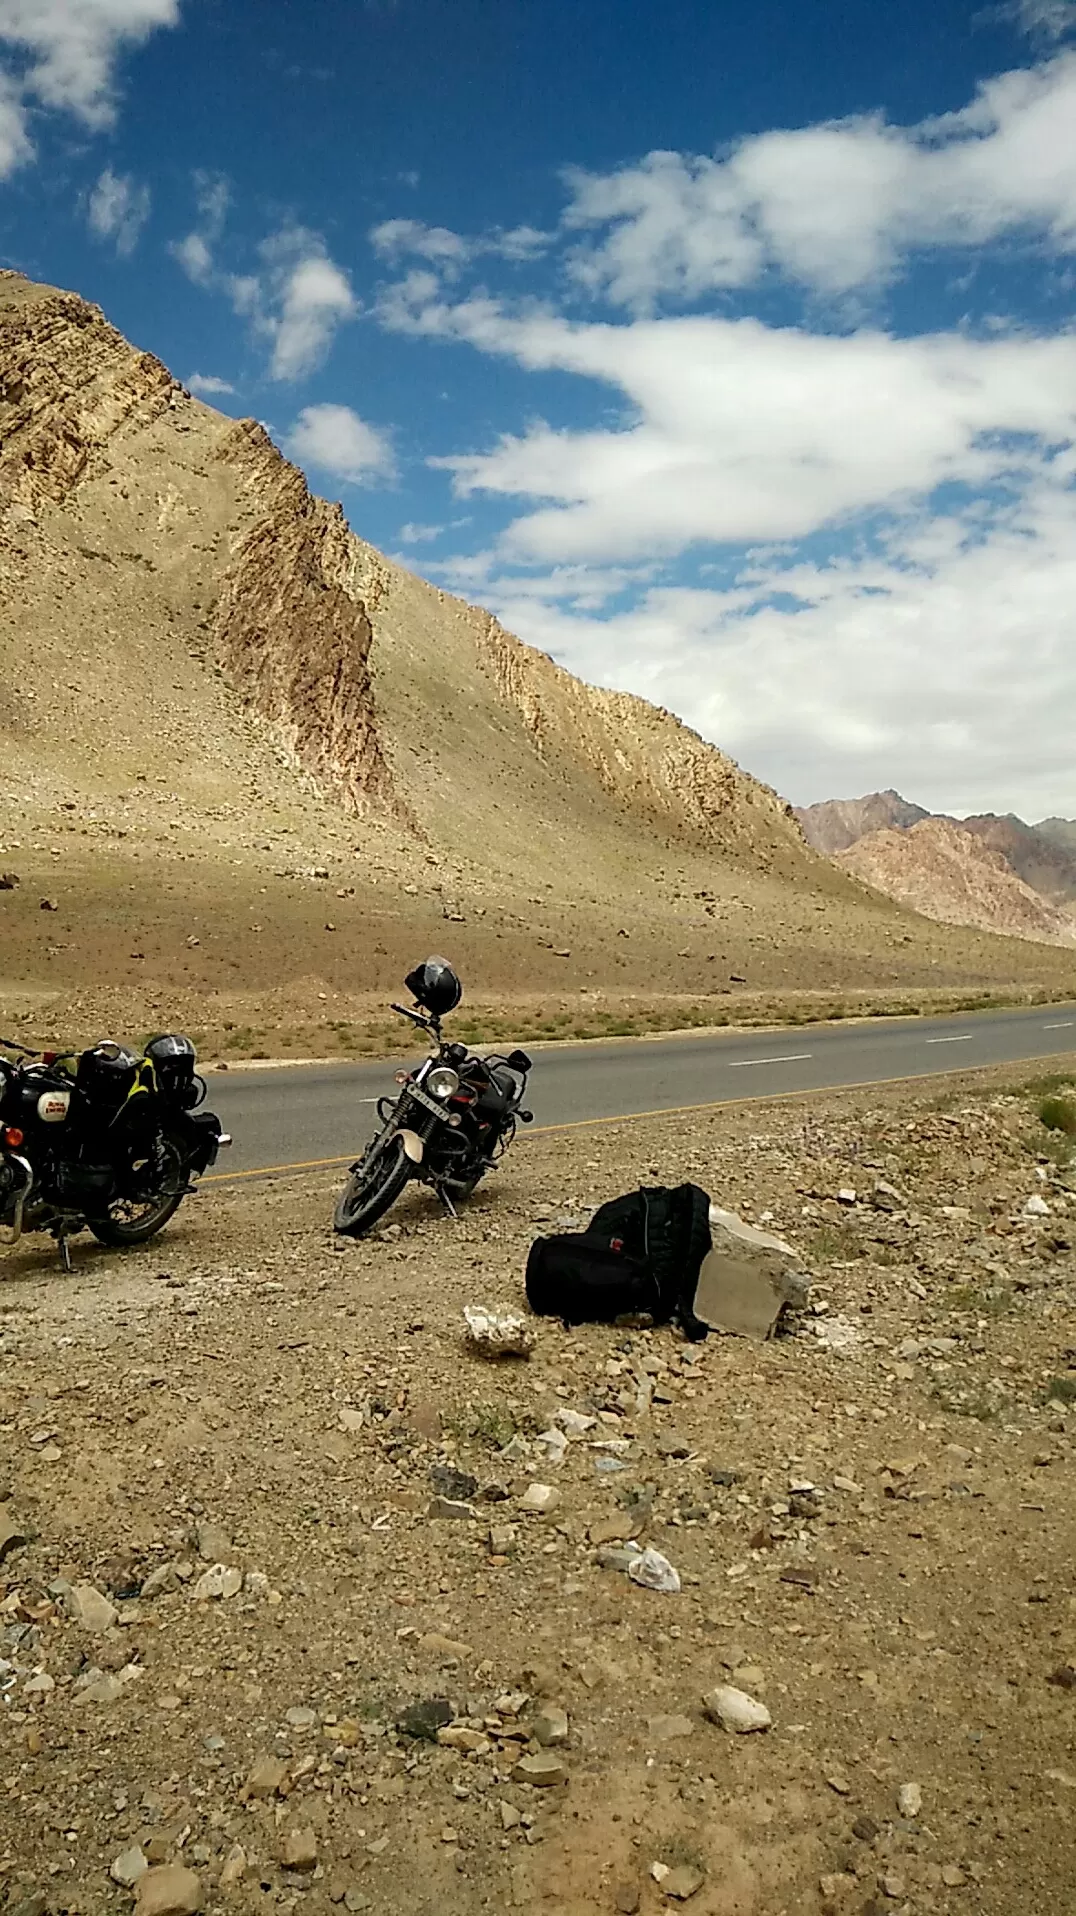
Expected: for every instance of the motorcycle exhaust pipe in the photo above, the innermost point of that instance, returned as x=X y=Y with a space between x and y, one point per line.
x=14 y=1229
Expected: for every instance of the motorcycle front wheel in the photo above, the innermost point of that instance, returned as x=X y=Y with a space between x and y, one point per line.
x=370 y=1190
x=146 y=1208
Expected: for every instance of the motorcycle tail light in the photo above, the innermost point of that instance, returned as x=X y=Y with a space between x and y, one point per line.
x=13 y=1136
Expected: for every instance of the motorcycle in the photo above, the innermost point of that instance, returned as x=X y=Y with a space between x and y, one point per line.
x=102 y=1139
x=455 y=1114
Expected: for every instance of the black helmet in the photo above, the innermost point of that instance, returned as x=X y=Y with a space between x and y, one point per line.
x=435 y=985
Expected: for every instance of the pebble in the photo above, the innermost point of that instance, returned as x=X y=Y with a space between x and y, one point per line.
x=839 y=1782
x=91 y=1609
x=735 y=1710
x=510 y=1817
x=160 y=1582
x=445 y=1649
x=909 y=1799
x=235 y=1866
x=540 y=1498
x=953 y=1876
x=682 y=1882
x=299 y=1850
x=866 y=1830
x=424 y=1718
x=626 y=1899
x=267 y=1777
x=173 y=1890
x=550 y=1727
x=541 y=1772
x=458 y=1485
x=128 y=1867
x=222 y=1580
x=1036 y=1207
x=655 y=1572
x=301 y=1717
x=665 y=1729
x=448 y=1509
x=614 y=1529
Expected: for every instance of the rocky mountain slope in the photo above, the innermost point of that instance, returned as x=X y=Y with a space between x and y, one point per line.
x=252 y=766
x=1042 y=861
x=940 y=869
x=1061 y=830
x=835 y=823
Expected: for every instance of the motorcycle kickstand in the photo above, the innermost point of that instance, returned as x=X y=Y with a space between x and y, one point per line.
x=448 y=1204
x=65 y=1252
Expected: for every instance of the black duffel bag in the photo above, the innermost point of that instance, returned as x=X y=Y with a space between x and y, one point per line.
x=640 y=1255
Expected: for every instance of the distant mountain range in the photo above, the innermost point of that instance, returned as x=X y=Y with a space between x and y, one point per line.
x=994 y=872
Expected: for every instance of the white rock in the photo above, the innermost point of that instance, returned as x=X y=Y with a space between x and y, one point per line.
x=91 y=1609
x=221 y=1580
x=128 y=1866
x=735 y=1710
x=746 y=1278
x=540 y=1497
x=40 y=1684
x=498 y=1333
x=574 y=1422
x=654 y=1572
x=555 y=1445
x=1036 y=1207
x=909 y=1799
x=846 y=1195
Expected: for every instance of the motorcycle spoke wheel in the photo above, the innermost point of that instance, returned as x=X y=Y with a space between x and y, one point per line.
x=140 y=1213
x=370 y=1190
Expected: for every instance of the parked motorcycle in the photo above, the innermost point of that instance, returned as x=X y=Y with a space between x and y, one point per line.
x=455 y=1115
x=101 y=1138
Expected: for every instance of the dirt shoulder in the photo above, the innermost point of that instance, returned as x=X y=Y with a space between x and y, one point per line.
x=249 y=1394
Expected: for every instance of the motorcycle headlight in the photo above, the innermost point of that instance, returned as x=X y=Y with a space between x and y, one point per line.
x=442 y=1081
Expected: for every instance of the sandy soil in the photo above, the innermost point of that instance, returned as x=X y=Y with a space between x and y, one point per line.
x=245 y=1392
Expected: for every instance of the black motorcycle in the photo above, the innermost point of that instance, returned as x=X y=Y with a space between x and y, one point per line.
x=455 y=1115
x=101 y=1138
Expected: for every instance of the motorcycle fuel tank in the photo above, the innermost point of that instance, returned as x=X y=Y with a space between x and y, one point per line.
x=53 y=1106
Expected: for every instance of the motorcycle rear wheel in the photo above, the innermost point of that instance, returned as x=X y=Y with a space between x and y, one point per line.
x=370 y=1190
x=130 y=1221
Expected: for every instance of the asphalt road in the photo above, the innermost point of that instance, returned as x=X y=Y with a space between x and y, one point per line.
x=305 y=1115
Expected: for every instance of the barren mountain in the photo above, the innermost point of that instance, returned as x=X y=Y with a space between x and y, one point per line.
x=835 y=823
x=1044 y=862
x=945 y=872
x=252 y=767
x=1061 y=830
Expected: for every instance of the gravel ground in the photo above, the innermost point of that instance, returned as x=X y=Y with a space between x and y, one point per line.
x=225 y=1587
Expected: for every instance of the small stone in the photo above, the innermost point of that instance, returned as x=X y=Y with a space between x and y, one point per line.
x=444 y=1649
x=846 y=1195
x=540 y=1498
x=1036 y=1206
x=736 y=1711
x=654 y=1572
x=447 y=1509
x=839 y=1782
x=160 y=1582
x=91 y=1609
x=666 y=1729
x=894 y=1886
x=866 y=1830
x=626 y=1899
x=424 y=1718
x=171 y=1891
x=212 y=1543
x=673 y=1447
x=350 y=1420
x=683 y=1882
x=128 y=1867
x=748 y=1676
x=510 y=1817
x=458 y=1737
x=301 y=1717
x=235 y=1866
x=659 y=1871
x=550 y=1727
x=909 y=1799
x=953 y=1876
x=541 y=1772
x=267 y=1777
x=299 y=1850
x=613 y=1529
x=223 y=1580
x=459 y=1485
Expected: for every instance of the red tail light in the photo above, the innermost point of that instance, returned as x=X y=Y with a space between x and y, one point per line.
x=13 y=1136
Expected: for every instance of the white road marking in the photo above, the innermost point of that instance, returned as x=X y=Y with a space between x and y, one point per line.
x=791 y=1057
x=965 y=1038
x=1065 y=1025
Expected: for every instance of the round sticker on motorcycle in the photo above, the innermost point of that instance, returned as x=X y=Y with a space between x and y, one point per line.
x=53 y=1106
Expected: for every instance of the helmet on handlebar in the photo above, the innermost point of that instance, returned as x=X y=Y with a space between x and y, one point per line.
x=435 y=985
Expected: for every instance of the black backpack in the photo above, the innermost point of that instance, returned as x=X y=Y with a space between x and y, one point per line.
x=640 y=1254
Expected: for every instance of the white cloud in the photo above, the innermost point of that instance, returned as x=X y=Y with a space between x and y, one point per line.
x=64 y=56
x=836 y=207
x=118 y=210
x=295 y=301
x=450 y=252
x=306 y=297
x=416 y=535
x=333 y=439
x=1044 y=19
x=208 y=386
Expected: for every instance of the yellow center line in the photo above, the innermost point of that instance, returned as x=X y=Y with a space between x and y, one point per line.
x=667 y=1111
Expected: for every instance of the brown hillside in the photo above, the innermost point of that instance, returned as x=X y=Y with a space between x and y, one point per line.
x=947 y=873
x=256 y=767
x=835 y=823
x=1043 y=862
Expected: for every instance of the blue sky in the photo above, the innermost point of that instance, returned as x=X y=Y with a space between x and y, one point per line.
x=727 y=354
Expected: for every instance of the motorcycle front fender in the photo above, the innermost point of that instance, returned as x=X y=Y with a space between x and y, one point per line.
x=413 y=1145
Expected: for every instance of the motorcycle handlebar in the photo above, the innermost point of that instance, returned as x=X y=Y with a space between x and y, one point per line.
x=415 y=1016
